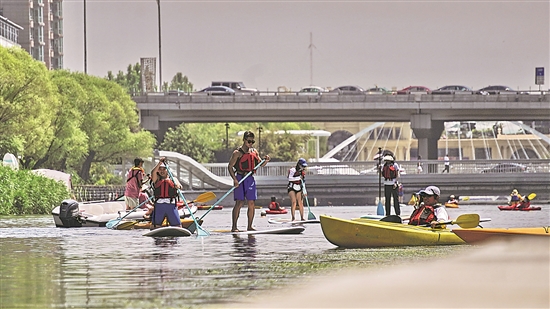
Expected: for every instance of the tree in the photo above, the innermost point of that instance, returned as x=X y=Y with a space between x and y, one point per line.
x=27 y=102
x=111 y=124
x=181 y=82
x=194 y=140
x=131 y=81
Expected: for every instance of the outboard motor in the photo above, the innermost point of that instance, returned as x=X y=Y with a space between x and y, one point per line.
x=69 y=214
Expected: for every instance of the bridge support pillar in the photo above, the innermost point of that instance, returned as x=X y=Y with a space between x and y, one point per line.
x=427 y=131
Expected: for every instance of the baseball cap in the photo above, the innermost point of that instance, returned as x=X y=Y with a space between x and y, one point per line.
x=302 y=162
x=430 y=190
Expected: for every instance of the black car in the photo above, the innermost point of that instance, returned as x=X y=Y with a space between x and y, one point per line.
x=506 y=168
x=452 y=89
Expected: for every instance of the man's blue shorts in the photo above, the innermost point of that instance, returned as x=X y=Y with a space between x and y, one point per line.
x=247 y=189
x=167 y=210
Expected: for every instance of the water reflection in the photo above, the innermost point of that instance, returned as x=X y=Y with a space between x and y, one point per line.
x=42 y=266
x=245 y=246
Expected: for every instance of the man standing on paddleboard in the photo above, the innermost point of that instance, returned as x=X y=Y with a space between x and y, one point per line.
x=241 y=165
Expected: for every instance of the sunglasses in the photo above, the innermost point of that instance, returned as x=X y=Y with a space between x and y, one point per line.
x=250 y=141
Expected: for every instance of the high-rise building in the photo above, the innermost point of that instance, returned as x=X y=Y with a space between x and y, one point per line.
x=42 y=33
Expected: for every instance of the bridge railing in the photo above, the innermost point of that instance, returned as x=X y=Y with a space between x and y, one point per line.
x=280 y=169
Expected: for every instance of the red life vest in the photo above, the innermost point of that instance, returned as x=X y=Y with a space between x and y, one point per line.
x=165 y=188
x=389 y=171
x=247 y=162
x=274 y=206
x=423 y=215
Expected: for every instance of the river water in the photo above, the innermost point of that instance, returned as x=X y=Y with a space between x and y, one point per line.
x=42 y=266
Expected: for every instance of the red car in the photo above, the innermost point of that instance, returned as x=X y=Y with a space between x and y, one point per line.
x=415 y=90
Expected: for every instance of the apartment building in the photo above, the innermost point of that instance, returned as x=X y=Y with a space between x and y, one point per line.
x=42 y=23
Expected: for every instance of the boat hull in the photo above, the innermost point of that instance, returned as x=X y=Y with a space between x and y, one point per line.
x=276 y=212
x=451 y=205
x=73 y=214
x=480 y=235
x=365 y=233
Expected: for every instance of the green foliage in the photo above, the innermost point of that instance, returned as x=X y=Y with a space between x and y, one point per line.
x=24 y=193
x=27 y=102
x=129 y=81
x=181 y=82
x=199 y=140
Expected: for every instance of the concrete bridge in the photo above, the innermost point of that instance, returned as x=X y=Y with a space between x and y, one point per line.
x=426 y=113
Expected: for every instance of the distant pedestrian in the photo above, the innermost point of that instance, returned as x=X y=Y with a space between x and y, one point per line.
x=419 y=168
x=447 y=164
x=390 y=173
x=296 y=177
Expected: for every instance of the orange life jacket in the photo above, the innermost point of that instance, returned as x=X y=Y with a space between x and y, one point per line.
x=165 y=188
x=247 y=162
x=422 y=215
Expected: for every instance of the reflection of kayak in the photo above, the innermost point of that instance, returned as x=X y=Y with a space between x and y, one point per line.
x=168 y=231
x=366 y=233
x=509 y=207
x=206 y=207
x=276 y=212
x=451 y=205
x=478 y=235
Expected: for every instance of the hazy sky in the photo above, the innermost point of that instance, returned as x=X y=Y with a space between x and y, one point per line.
x=265 y=44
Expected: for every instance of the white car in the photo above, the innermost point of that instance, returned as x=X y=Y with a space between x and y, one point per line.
x=312 y=90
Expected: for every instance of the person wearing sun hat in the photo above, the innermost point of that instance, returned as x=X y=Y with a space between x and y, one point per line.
x=296 y=176
x=430 y=211
x=515 y=198
x=166 y=195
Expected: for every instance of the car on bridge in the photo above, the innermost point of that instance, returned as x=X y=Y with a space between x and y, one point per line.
x=312 y=90
x=215 y=90
x=506 y=168
x=453 y=89
x=348 y=90
x=378 y=90
x=415 y=90
x=498 y=89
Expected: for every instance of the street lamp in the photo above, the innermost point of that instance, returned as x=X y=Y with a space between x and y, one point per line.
x=226 y=136
x=160 y=50
x=259 y=138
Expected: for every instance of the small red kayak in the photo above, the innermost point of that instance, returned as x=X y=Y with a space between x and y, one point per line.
x=276 y=212
x=508 y=207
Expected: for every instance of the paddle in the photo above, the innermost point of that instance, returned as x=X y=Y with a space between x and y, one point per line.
x=531 y=196
x=202 y=198
x=111 y=224
x=380 y=208
x=310 y=215
x=466 y=221
x=200 y=230
x=191 y=227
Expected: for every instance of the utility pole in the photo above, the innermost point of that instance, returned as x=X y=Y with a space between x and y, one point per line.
x=160 y=50
x=85 y=43
x=259 y=139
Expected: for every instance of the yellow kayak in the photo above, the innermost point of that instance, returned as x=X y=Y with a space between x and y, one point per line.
x=365 y=233
x=479 y=235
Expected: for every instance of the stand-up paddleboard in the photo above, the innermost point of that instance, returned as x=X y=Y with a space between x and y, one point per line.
x=168 y=231
x=289 y=221
x=282 y=230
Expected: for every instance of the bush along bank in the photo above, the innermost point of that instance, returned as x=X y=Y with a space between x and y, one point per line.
x=25 y=193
